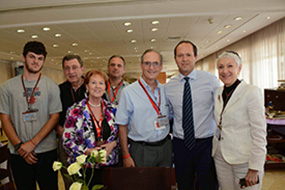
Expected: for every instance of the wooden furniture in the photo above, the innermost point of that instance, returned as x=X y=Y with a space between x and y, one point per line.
x=139 y=178
x=5 y=172
x=275 y=129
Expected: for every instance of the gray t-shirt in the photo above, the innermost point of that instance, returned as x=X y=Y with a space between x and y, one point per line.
x=47 y=101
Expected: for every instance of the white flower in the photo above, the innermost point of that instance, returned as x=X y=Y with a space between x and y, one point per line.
x=74 y=169
x=103 y=155
x=81 y=159
x=75 y=186
x=56 y=166
x=94 y=153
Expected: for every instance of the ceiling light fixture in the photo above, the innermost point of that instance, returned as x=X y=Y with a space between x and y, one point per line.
x=268 y=17
x=219 y=32
x=34 y=36
x=86 y=51
x=155 y=22
x=57 y=35
x=244 y=31
x=228 y=26
x=238 y=18
x=228 y=40
x=154 y=29
x=133 y=41
x=127 y=24
x=153 y=40
x=46 y=29
x=55 y=45
x=130 y=30
x=20 y=31
x=74 y=44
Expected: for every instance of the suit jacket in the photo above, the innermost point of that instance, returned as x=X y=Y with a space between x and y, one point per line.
x=243 y=134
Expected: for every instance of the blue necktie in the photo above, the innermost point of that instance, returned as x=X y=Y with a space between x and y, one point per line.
x=187 y=122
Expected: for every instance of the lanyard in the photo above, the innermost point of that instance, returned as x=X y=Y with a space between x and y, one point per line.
x=156 y=107
x=98 y=124
x=32 y=98
x=116 y=92
x=72 y=93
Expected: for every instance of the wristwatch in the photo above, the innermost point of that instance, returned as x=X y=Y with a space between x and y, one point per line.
x=17 y=146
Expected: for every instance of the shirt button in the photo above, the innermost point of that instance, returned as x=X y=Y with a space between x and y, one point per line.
x=222 y=138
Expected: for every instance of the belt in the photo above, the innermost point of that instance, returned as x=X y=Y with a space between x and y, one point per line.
x=157 y=143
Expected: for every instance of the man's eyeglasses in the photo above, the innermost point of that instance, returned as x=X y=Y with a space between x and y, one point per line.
x=154 y=64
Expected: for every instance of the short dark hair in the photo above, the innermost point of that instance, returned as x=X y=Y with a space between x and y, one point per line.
x=35 y=47
x=151 y=50
x=70 y=57
x=186 y=42
x=118 y=57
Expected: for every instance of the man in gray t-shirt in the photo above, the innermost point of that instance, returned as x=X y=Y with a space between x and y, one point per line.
x=29 y=110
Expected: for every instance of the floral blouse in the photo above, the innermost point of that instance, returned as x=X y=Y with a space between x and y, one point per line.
x=78 y=135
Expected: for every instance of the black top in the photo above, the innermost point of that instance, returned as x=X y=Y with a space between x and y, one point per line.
x=228 y=91
x=68 y=97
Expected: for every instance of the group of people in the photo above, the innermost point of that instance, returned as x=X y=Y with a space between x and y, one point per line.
x=216 y=135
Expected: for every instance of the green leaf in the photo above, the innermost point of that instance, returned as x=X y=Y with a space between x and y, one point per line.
x=95 y=187
x=84 y=187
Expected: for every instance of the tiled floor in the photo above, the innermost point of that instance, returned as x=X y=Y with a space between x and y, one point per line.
x=274 y=179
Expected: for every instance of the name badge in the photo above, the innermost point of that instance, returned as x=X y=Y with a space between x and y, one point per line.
x=30 y=116
x=161 y=122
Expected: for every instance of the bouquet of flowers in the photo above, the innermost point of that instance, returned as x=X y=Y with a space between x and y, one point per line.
x=82 y=162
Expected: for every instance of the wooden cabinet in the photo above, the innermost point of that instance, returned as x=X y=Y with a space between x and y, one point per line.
x=275 y=129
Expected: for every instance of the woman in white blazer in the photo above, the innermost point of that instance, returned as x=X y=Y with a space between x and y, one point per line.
x=239 y=143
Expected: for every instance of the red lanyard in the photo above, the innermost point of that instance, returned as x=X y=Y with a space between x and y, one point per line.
x=98 y=125
x=32 y=98
x=156 y=107
x=116 y=92
x=72 y=93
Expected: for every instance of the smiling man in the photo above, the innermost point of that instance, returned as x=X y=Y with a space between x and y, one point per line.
x=142 y=117
x=71 y=91
x=116 y=70
x=29 y=111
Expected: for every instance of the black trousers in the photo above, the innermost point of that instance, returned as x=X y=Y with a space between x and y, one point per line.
x=26 y=175
x=197 y=162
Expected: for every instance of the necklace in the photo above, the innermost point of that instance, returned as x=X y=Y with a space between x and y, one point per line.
x=95 y=106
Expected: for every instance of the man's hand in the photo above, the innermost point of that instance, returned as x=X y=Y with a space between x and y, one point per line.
x=31 y=158
x=128 y=162
x=251 y=177
x=26 y=149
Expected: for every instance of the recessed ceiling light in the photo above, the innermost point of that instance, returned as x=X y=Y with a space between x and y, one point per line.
x=90 y=53
x=20 y=31
x=238 y=18
x=130 y=30
x=127 y=24
x=268 y=17
x=86 y=51
x=55 y=45
x=12 y=52
x=74 y=44
x=228 y=26
x=155 y=22
x=244 y=31
x=12 y=57
x=133 y=41
x=153 y=40
x=154 y=29
x=228 y=40
x=46 y=29
x=57 y=35
x=52 y=59
x=34 y=36
x=219 y=32
x=68 y=51
x=151 y=47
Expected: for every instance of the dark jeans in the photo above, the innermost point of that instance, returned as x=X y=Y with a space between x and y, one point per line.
x=26 y=175
x=197 y=162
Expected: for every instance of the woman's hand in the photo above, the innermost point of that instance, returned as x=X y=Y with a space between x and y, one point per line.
x=89 y=150
x=109 y=147
x=251 y=177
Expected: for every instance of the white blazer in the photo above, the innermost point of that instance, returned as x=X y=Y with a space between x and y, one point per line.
x=243 y=134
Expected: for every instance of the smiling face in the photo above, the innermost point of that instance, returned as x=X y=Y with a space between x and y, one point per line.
x=73 y=71
x=151 y=66
x=185 y=58
x=33 y=62
x=228 y=70
x=96 y=86
x=116 y=67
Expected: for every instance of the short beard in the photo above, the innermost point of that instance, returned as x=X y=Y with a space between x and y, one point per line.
x=33 y=71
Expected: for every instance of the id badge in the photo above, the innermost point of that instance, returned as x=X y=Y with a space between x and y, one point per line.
x=161 y=122
x=30 y=116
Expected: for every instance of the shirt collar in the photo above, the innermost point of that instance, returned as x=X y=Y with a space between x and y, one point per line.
x=146 y=85
x=192 y=75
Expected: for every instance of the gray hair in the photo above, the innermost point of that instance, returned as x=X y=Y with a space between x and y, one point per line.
x=230 y=54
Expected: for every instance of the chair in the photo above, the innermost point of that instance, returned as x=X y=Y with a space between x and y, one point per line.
x=6 y=172
x=139 y=178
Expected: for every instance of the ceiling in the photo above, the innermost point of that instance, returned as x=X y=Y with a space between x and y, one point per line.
x=96 y=26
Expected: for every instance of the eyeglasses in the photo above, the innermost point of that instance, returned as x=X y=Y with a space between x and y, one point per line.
x=154 y=64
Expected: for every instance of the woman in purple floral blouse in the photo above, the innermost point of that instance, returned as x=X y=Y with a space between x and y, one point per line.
x=90 y=124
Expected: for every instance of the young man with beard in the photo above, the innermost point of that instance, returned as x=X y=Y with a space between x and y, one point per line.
x=29 y=111
x=71 y=91
x=116 y=70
